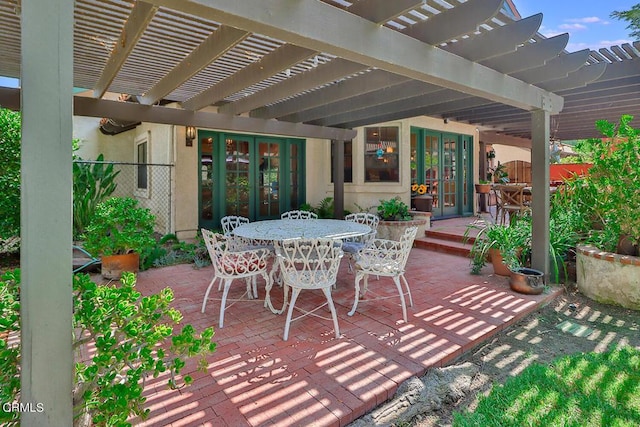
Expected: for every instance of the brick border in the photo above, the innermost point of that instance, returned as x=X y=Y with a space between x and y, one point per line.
x=594 y=252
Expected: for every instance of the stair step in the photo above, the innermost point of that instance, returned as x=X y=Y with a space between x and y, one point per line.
x=442 y=245
x=449 y=236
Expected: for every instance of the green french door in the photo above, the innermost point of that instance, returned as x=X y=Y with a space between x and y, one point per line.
x=252 y=176
x=442 y=162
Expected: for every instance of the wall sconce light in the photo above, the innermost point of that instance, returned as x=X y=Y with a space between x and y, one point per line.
x=446 y=121
x=190 y=135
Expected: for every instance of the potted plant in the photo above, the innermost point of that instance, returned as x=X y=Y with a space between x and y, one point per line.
x=395 y=218
x=494 y=241
x=483 y=187
x=119 y=232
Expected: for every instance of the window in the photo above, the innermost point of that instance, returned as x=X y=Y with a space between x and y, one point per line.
x=348 y=161
x=381 y=154
x=142 y=167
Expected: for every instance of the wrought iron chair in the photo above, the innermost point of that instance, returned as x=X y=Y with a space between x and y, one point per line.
x=352 y=245
x=230 y=222
x=231 y=260
x=308 y=264
x=385 y=258
x=298 y=215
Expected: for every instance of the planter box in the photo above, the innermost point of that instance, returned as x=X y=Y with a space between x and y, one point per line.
x=609 y=278
x=393 y=230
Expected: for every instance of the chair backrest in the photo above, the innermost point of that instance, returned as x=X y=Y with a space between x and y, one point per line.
x=406 y=243
x=365 y=218
x=511 y=195
x=230 y=222
x=309 y=263
x=230 y=258
x=298 y=215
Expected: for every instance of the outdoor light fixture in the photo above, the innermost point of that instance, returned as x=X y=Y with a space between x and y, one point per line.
x=190 y=135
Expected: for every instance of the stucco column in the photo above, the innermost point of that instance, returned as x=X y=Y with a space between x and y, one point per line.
x=540 y=191
x=46 y=207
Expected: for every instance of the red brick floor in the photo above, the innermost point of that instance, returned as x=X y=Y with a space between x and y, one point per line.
x=256 y=379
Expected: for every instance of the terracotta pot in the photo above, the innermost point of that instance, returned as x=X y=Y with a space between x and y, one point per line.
x=499 y=267
x=423 y=203
x=483 y=188
x=114 y=265
x=527 y=281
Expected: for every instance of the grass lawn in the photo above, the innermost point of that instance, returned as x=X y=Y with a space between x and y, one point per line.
x=591 y=389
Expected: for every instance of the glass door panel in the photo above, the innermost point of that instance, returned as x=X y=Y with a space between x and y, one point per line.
x=237 y=179
x=449 y=174
x=206 y=179
x=268 y=175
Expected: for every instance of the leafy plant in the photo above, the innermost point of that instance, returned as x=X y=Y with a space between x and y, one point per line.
x=119 y=226
x=606 y=200
x=393 y=210
x=93 y=183
x=10 y=134
x=133 y=337
x=512 y=241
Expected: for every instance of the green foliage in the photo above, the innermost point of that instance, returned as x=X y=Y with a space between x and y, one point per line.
x=632 y=16
x=170 y=251
x=9 y=355
x=605 y=201
x=134 y=339
x=582 y=390
x=513 y=241
x=92 y=184
x=10 y=134
x=393 y=210
x=119 y=227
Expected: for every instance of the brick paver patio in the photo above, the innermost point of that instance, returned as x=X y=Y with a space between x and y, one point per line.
x=257 y=379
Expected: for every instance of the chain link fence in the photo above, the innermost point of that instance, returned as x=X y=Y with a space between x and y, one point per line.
x=150 y=184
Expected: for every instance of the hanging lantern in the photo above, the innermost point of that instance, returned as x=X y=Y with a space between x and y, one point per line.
x=380 y=152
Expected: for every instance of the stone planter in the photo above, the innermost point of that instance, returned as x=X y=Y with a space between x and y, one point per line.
x=113 y=266
x=609 y=278
x=393 y=230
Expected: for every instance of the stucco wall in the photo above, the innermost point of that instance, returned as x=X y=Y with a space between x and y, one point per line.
x=507 y=153
x=366 y=195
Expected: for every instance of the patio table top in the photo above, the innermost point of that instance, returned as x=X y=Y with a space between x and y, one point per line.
x=281 y=229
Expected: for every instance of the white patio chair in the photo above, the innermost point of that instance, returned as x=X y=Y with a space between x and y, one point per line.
x=231 y=261
x=385 y=258
x=298 y=215
x=352 y=245
x=308 y=264
x=230 y=222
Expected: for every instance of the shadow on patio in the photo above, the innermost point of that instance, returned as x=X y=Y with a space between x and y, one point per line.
x=256 y=378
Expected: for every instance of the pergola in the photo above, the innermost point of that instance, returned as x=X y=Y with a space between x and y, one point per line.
x=306 y=68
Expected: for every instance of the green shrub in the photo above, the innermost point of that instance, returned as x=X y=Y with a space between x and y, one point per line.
x=10 y=134
x=93 y=183
x=133 y=337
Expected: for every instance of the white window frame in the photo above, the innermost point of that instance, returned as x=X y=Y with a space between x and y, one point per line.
x=144 y=139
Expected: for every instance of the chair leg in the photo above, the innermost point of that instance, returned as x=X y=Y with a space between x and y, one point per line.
x=327 y=293
x=206 y=294
x=357 y=294
x=287 y=323
x=396 y=280
x=225 y=292
x=406 y=285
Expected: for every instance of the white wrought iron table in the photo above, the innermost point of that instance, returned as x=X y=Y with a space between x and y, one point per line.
x=281 y=229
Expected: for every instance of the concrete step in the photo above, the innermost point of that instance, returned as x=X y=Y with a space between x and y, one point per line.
x=450 y=236
x=452 y=247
